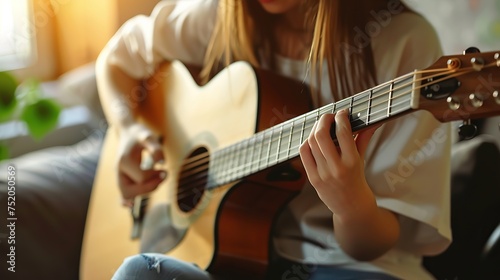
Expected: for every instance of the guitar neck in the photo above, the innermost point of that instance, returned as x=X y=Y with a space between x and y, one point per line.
x=280 y=143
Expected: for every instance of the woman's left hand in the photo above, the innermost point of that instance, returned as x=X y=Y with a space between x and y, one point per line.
x=337 y=173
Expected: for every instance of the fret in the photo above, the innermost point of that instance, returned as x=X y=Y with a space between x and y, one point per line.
x=212 y=171
x=235 y=155
x=379 y=103
x=389 y=100
x=219 y=163
x=240 y=162
x=284 y=144
x=402 y=94
x=243 y=163
x=247 y=158
x=350 y=111
x=269 y=147
x=359 y=104
x=263 y=156
x=212 y=168
x=251 y=144
x=234 y=161
x=369 y=107
x=309 y=124
x=261 y=148
x=230 y=164
x=273 y=147
x=279 y=143
x=302 y=130
x=298 y=133
x=290 y=140
x=224 y=164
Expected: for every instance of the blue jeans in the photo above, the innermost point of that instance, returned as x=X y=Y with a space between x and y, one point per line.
x=158 y=266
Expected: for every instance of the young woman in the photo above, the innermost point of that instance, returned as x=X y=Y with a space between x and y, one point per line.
x=376 y=203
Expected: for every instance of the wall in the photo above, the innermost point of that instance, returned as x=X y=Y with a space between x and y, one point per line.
x=71 y=33
x=463 y=23
x=84 y=27
x=43 y=26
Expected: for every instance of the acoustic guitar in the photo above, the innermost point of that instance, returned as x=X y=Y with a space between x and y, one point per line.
x=232 y=157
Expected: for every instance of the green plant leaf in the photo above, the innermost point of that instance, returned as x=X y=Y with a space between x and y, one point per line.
x=4 y=152
x=41 y=117
x=8 y=101
x=29 y=91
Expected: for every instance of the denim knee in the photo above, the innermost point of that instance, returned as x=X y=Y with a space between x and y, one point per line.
x=143 y=266
x=158 y=266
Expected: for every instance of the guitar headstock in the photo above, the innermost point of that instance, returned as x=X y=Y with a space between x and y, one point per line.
x=461 y=87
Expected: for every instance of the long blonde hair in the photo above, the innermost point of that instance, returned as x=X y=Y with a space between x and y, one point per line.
x=243 y=33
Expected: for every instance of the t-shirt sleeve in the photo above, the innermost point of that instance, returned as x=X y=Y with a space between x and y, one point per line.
x=408 y=160
x=177 y=30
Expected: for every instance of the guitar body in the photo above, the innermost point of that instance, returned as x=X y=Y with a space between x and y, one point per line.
x=226 y=229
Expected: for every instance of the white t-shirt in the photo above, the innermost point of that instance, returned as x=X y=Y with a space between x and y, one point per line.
x=407 y=161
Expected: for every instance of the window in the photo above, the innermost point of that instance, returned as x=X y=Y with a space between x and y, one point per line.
x=17 y=34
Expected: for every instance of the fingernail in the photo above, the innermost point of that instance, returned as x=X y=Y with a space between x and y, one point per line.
x=343 y=111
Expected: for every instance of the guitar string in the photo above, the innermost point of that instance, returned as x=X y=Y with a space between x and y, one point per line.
x=380 y=94
x=198 y=183
x=205 y=170
x=188 y=164
x=456 y=73
x=194 y=165
x=194 y=159
x=202 y=185
x=233 y=171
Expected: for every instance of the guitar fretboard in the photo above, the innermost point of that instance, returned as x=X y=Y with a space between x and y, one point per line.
x=281 y=142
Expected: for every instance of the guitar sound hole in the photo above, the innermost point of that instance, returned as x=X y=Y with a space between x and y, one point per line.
x=193 y=179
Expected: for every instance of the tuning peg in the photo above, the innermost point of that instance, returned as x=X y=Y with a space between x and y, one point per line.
x=472 y=50
x=467 y=130
x=496 y=95
x=475 y=100
x=477 y=63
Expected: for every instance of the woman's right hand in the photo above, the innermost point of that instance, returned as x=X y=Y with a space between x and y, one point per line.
x=138 y=141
